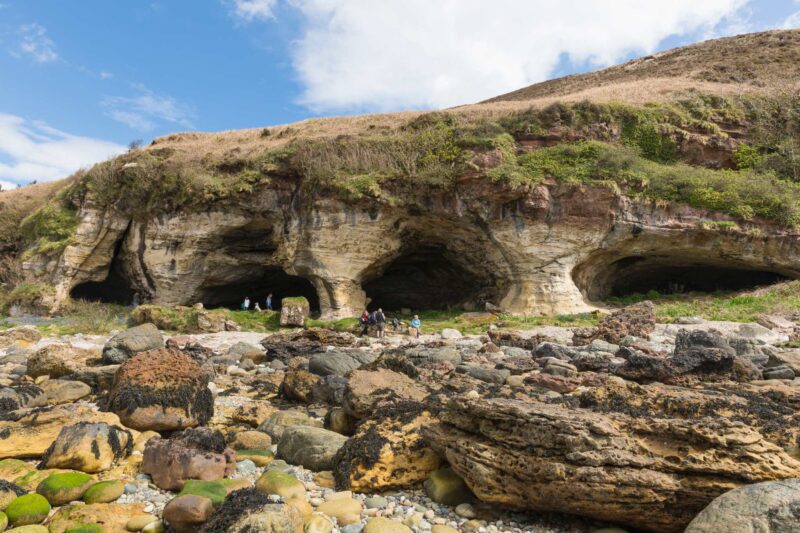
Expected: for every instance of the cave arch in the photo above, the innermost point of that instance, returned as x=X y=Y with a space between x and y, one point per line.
x=256 y=282
x=605 y=277
x=430 y=277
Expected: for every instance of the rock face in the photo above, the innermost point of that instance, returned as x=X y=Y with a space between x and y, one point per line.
x=648 y=465
x=129 y=342
x=563 y=247
x=194 y=454
x=161 y=390
x=88 y=447
x=769 y=507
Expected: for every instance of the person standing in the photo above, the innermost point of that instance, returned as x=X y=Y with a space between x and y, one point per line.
x=364 y=321
x=269 y=302
x=380 y=321
x=415 y=325
x=246 y=303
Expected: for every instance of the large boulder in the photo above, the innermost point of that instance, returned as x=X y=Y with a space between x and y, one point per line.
x=58 y=360
x=88 y=447
x=294 y=311
x=249 y=510
x=339 y=362
x=188 y=512
x=310 y=447
x=277 y=422
x=129 y=342
x=387 y=453
x=28 y=433
x=198 y=453
x=369 y=390
x=161 y=390
x=649 y=457
x=769 y=507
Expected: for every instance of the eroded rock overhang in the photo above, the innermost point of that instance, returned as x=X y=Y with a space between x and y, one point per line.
x=544 y=250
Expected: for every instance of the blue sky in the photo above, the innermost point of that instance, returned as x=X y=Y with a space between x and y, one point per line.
x=80 y=79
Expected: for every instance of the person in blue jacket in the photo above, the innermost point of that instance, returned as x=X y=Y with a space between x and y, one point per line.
x=415 y=325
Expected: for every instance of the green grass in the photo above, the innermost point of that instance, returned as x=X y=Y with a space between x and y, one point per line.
x=736 y=307
x=49 y=229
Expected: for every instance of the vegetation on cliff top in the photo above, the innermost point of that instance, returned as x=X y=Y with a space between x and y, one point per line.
x=640 y=150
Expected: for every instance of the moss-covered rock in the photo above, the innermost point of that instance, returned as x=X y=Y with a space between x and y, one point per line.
x=259 y=457
x=31 y=480
x=104 y=491
x=213 y=490
x=8 y=493
x=29 y=529
x=284 y=485
x=3 y=521
x=28 y=509
x=60 y=489
x=232 y=485
x=86 y=528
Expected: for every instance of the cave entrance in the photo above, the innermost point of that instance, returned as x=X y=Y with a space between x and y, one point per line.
x=427 y=278
x=640 y=275
x=256 y=283
x=115 y=289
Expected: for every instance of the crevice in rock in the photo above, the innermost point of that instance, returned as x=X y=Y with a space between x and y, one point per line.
x=116 y=288
x=430 y=277
x=600 y=279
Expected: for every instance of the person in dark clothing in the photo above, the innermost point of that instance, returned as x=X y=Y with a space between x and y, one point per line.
x=364 y=321
x=395 y=323
x=269 y=302
x=380 y=321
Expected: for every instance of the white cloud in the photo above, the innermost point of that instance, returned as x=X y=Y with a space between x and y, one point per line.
x=146 y=109
x=35 y=151
x=363 y=54
x=250 y=10
x=35 y=44
x=793 y=20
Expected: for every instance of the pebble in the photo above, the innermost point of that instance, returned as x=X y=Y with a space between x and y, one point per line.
x=246 y=467
x=376 y=502
x=466 y=510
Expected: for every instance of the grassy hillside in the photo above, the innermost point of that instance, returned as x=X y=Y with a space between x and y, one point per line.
x=733 y=65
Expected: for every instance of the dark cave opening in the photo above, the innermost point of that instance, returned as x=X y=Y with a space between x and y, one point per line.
x=641 y=275
x=115 y=289
x=427 y=278
x=256 y=284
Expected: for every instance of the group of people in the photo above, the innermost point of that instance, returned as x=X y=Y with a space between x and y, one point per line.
x=378 y=319
x=246 y=304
